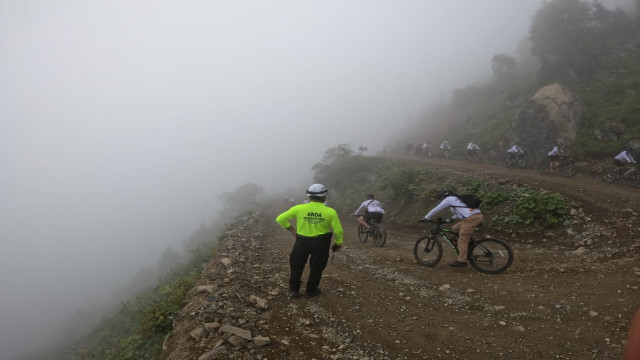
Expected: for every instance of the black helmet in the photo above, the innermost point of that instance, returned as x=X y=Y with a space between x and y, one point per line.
x=629 y=148
x=370 y=196
x=444 y=193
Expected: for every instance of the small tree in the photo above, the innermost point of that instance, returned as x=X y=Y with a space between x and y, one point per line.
x=503 y=66
x=244 y=198
x=562 y=34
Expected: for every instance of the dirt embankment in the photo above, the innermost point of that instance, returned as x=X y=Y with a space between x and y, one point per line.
x=378 y=303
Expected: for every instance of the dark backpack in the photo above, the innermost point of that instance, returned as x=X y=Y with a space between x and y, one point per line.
x=470 y=200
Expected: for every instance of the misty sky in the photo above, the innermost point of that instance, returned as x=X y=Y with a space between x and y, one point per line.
x=121 y=122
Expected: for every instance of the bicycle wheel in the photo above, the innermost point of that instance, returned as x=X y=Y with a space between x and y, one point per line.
x=363 y=233
x=507 y=163
x=609 y=174
x=490 y=256
x=428 y=251
x=543 y=167
x=521 y=163
x=568 y=170
x=635 y=179
x=378 y=235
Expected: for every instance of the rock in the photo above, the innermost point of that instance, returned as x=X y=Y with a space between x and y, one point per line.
x=197 y=333
x=206 y=289
x=211 y=326
x=235 y=341
x=260 y=303
x=245 y=334
x=211 y=354
x=580 y=251
x=260 y=341
x=563 y=109
x=226 y=262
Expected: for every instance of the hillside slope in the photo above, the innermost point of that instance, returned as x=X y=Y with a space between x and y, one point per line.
x=378 y=303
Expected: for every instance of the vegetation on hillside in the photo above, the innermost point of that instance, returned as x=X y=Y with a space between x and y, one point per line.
x=579 y=44
x=406 y=189
x=138 y=328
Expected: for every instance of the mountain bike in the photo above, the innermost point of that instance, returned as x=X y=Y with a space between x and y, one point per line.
x=487 y=255
x=472 y=155
x=520 y=161
x=375 y=231
x=627 y=174
x=426 y=153
x=565 y=164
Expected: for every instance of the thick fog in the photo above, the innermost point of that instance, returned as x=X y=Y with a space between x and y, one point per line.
x=122 y=122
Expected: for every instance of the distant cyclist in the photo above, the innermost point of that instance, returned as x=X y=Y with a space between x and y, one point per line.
x=372 y=210
x=556 y=154
x=426 y=149
x=472 y=150
x=623 y=160
x=515 y=152
x=444 y=147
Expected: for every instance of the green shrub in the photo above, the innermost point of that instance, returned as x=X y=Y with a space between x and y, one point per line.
x=534 y=206
x=473 y=185
x=405 y=181
x=137 y=330
x=493 y=198
x=157 y=319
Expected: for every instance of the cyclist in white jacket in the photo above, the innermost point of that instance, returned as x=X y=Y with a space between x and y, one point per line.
x=469 y=219
x=472 y=150
x=623 y=160
x=557 y=152
x=370 y=209
x=515 y=151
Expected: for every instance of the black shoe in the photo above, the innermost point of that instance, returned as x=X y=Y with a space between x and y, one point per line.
x=458 y=264
x=314 y=293
x=294 y=293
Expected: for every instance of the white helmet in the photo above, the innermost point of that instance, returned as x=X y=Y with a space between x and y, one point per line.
x=317 y=190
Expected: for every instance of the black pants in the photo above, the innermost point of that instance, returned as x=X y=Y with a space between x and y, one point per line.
x=314 y=249
x=373 y=215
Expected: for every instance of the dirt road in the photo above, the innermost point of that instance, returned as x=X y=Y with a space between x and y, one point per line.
x=378 y=303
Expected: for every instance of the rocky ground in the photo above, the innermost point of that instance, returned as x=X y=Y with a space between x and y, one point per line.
x=570 y=293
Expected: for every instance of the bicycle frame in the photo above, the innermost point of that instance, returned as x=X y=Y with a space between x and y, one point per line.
x=629 y=172
x=564 y=164
x=443 y=235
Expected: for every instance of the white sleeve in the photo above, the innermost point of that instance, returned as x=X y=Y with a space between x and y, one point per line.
x=443 y=205
x=362 y=206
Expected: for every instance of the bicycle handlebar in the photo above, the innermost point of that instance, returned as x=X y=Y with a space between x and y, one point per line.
x=440 y=221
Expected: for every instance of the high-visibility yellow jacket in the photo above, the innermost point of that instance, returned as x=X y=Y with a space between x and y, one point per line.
x=313 y=219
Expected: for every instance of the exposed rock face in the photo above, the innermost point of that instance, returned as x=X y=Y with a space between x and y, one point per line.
x=553 y=113
x=563 y=109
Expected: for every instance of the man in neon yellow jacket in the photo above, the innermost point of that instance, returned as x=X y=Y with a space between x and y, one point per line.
x=313 y=239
